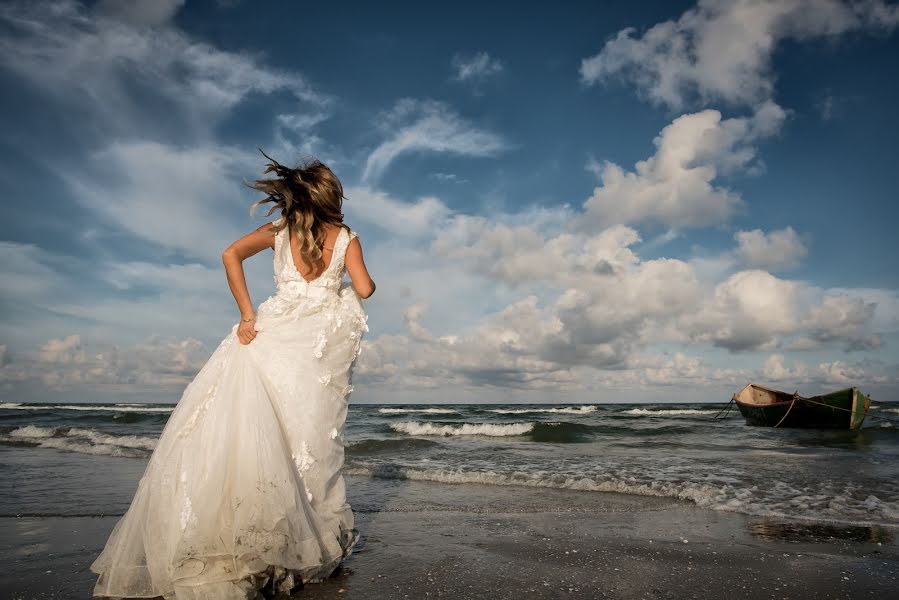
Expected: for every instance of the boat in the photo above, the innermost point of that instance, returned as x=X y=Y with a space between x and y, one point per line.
x=844 y=409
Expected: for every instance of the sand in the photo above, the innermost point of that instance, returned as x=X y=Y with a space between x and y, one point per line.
x=428 y=540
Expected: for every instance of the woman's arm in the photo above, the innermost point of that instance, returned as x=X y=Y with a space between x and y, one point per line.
x=233 y=257
x=355 y=266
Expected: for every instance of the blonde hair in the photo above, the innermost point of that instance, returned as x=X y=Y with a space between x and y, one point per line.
x=309 y=197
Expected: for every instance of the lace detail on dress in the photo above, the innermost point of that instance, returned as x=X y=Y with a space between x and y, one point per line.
x=213 y=369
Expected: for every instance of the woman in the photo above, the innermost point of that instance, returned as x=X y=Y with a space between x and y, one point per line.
x=243 y=496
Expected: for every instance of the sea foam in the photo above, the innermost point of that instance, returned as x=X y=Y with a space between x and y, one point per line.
x=669 y=412
x=430 y=411
x=488 y=429
x=571 y=410
x=90 y=408
x=81 y=440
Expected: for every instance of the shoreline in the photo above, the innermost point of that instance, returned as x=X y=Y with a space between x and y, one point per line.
x=433 y=540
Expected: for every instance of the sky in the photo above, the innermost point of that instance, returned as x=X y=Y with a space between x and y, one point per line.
x=590 y=202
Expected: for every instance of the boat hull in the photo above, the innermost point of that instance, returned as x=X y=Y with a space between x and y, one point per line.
x=844 y=409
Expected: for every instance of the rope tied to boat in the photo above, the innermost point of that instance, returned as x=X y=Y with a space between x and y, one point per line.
x=726 y=408
x=792 y=403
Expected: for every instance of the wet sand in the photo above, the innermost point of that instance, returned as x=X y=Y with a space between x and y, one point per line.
x=426 y=540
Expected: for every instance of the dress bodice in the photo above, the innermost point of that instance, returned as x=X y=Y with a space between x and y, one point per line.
x=297 y=299
x=288 y=279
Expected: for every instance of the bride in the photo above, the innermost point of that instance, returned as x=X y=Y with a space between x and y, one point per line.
x=243 y=496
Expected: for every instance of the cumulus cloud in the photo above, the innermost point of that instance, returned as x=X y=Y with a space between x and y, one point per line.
x=749 y=310
x=843 y=318
x=721 y=50
x=590 y=302
x=676 y=187
x=780 y=249
x=825 y=373
x=414 y=125
x=68 y=362
x=548 y=299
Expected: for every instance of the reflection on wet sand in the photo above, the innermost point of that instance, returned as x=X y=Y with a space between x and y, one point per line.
x=818 y=532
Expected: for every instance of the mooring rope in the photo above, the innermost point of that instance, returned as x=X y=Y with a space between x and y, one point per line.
x=726 y=408
x=792 y=402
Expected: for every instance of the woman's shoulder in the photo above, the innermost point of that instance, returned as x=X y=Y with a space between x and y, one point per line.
x=351 y=233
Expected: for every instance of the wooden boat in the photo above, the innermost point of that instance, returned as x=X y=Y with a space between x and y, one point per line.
x=845 y=409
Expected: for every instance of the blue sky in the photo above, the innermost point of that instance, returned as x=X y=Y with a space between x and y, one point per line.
x=595 y=202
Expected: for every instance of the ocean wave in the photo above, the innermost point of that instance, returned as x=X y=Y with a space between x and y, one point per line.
x=571 y=410
x=780 y=500
x=488 y=429
x=430 y=411
x=80 y=440
x=670 y=412
x=535 y=431
x=371 y=446
x=83 y=407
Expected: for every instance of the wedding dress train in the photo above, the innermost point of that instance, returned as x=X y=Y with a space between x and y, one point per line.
x=244 y=489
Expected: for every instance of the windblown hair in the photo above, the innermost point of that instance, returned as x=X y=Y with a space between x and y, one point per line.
x=309 y=196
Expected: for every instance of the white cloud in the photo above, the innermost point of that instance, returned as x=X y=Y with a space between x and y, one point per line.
x=115 y=74
x=413 y=125
x=67 y=362
x=547 y=299
x=64 y=351
x=749 y=310
x=781 y=249
x=416 y=219
x=843 y=318
x=477 y=67
x=825 y=373
x=676 y=186
x=181 y=199
x=721 y=50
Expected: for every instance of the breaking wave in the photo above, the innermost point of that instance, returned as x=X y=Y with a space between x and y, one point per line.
x=670 y=412
x=536 y=431
x=430 y=411
x=571 y=410
x=87 y=407
x=778 y=500
x=80 y=440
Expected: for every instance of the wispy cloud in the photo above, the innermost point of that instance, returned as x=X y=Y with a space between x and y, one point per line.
x=184 y=200
x=475 y=68
x=114 y=73
x=414 y=125
x=140 y=12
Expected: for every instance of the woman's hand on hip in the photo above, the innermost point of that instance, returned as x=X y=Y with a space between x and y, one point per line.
x=246 y=331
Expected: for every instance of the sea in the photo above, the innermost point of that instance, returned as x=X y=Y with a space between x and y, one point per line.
x=86 y=459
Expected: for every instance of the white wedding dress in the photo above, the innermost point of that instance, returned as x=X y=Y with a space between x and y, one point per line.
x=244 y=489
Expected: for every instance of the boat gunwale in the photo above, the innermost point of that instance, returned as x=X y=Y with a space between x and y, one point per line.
x=761 y=387
x=794 y=396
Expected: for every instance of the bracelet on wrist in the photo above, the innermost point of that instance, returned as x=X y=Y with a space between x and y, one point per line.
x=247 y=320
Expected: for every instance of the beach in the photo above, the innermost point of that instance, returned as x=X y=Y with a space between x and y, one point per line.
x=508 y=501
x=480 y=541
